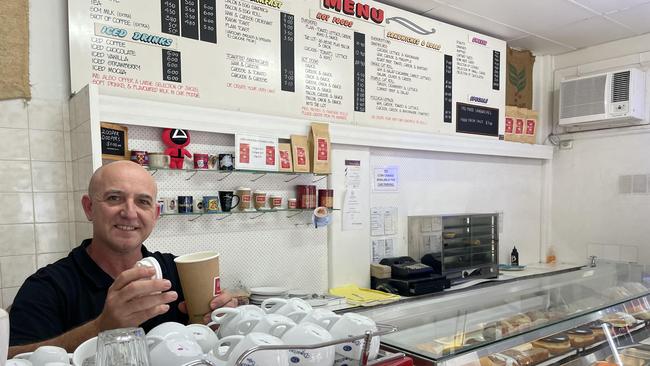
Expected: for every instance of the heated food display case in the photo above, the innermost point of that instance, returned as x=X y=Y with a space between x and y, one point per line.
x=459 y=247
x=552 y=319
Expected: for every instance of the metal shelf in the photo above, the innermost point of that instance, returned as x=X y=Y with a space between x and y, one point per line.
x=223 y=174
x=382 y=329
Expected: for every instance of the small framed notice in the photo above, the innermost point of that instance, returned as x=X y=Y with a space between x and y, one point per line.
x=256 y=153
x=115 y=145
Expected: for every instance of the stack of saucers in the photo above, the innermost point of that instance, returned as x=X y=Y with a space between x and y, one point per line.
x=302 y=294
x=259 y=294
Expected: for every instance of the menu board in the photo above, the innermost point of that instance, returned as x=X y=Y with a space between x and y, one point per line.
x=341 y=61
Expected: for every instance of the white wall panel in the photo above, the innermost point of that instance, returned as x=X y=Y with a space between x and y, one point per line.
x=440 y=183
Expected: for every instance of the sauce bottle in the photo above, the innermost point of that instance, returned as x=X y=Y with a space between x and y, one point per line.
x=514 y=257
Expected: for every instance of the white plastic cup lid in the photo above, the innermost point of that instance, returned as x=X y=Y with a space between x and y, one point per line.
x=151 y=262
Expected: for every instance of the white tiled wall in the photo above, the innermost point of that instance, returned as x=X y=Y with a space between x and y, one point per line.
x=36 y=190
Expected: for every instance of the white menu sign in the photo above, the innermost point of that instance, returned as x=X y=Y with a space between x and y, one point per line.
x=342 y=61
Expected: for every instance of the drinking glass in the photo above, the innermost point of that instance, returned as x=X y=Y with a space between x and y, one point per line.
x=122 y=347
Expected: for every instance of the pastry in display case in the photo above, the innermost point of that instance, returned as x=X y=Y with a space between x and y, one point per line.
x=549 y=319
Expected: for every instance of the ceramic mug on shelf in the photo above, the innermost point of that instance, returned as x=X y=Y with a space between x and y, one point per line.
x=211 y=204
x=197 y=205
x=201 y=161
x=226 y=198
x=185 y=204
x=226 y=161
x=158 y=160
x=170 y=205
x=139 y=156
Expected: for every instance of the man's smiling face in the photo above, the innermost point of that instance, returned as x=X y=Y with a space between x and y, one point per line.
x=122 y=206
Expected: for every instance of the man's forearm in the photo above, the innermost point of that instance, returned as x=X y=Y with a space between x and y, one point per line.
x=69 y=340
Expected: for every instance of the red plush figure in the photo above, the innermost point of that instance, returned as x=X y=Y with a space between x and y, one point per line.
x=176 y=139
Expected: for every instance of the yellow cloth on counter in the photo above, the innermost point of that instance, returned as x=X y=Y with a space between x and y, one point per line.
x=356 y=295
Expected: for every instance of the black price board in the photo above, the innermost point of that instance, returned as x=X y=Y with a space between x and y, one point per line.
x=169 y=17
x=287 y=63
x=359 y=72
x=114 y=139
x=477 y=119
x=448 y=88
x=171 y=65
x=190 y=19
x=208 y=21
x=496 y=69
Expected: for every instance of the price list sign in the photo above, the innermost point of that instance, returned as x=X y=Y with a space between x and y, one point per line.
x=171 y=61
x=208 y=21
x=359 y=72
x=190 y=20
x=448 y=88
x=477 y=120
x=287 y=40
x=496 y=69
x=362 y=63
x=169 y=17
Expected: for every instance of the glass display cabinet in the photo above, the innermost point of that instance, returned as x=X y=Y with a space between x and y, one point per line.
x=546 y=319
x=460 y=247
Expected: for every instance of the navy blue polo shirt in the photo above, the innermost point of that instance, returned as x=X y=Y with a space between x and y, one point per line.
x=71 y=292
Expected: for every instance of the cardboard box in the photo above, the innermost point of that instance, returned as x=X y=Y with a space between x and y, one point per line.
x=530 y=129
x=509 y=130
x=519 y=80
x=521 y=125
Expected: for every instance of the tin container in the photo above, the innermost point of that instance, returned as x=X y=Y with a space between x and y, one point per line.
x=326 y=198
x=306 y=196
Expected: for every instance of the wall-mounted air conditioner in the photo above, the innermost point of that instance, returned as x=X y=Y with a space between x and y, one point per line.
x=613 y=98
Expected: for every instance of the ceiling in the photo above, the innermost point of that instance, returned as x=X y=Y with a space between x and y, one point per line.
x=546 y=27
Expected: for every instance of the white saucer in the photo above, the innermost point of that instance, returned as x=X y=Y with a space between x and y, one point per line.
x=269 y=291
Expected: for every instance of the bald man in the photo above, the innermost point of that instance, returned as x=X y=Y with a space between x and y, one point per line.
x=96 y=287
